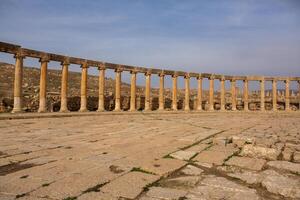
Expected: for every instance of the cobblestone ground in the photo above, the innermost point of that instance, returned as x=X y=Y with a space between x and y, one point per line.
x=151 y=157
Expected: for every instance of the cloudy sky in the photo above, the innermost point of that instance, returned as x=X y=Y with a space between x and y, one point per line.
x=230 y=37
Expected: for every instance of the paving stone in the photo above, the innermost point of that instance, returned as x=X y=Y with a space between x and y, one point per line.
x=287 y=155
x=163 y=167
x=260 y=152
x=198 y=147
x=296 y=157
x=212 y=157
x=130 y=185
x=166 y=193
x=285 y=165
x=247 y=163
x=96 y=196
x=183 y=155
x=191 y=170
x=180 y=182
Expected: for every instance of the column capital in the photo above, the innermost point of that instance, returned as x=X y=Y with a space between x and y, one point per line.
x=222 y=78
x=66 y=61
x=262 y=78
x=199 y=77
x=161 y=74
x=233 y=79
x=175 y=75
x=45 y=58
x=84 y=65
x=19 y=54
x=212 y=77
x=134 y=71
x=101 y=66
x=148 y=73
x=287 y=80
x=187 y=75
x=119 y=69
x=274 y=79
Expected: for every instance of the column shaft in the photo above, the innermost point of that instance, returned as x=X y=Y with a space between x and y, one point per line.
x=64 y=88
x=187 y=93
x=222 y=95
x=199 y=94
x=233 y=94
x=246 y=96
x=118 y=91
x=262 y=95
x=83 y=88
x=274 y=95
x=133 y=91
x=211 y=93
x=18 y=84
x=101 y=89
x=161 y=92
x=287 y=94
x=174 y=92
x=299 y=95
x=43 y=85
x=147 y=92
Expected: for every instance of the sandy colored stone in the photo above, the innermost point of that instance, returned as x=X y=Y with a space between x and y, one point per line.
x=191 y=170
x=183 y=181
x=165 y=193
x=96 y=195
x=212 y=157
x=247 y=163
x=285 y=165
x=260 y=152
x=183 y=155
x=296 y=157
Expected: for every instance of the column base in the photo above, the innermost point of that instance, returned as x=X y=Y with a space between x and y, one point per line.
x=117 y=110
x=17 y=111
x=101 y=110
x=132 y=110
x=83 y=110
x=42 y=110
x=64 y=110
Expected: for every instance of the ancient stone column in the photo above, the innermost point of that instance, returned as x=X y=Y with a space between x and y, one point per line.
x=246 y=96
x=274 y=95
x=83 y=88
x=287 y=94
x=18 y=84
x=222 y=94
x=147 y=92
x=43 y=84
x=118 y=90
x=211 y=93
x=199 y=93
x=299 y=95
x=187 y=92
x=233 y=94
x=161 y=91
x=174 y=92
x=133 y=91
x=262 y=94
x=101 y=101
x=64 y=87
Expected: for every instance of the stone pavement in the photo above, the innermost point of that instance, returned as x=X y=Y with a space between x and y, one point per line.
x=151 y=156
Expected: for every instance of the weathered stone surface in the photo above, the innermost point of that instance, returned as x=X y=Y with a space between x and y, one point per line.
x=96 y=195
x=241 y=140
x=191 y=170
x=287 y=154
x=247 y=163
x=183 y=155
x=285 y=165
x=166 y=193
x=260 y=152
x=185 y=181
x=248 y=177
x=296 y=157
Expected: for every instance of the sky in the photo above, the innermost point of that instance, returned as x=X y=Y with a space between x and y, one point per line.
x=233 y=37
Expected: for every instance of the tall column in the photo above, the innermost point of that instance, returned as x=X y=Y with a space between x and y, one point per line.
x=262 y=94
x=133 y=91
x=83 y=88
x=222 y=95
x=299 y=95
x=233 y=94
x=274 y=95
x=161 y=91
x=199 y=93
x=118 y=90
x=18 y=84
x=43 y=84
x=64 y=87
x=287 y=94
x=187 y=92
x=211 y=93
x=246 y=96
x=101 y=101
x=174 y=92
x=147 y=91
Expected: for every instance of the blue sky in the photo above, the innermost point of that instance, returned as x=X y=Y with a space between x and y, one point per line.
x=215 y=36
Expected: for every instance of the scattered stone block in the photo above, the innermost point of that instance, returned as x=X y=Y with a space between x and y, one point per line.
x=285 y=166
x=183 y=155
x=260 y=152
x=191 y=170
x=246 y=163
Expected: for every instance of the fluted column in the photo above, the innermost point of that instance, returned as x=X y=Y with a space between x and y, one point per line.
x=274 y=95
x=161 y=91
x=211 y=93
x=246 y=96
x=222 y=95
x=187 y=92
x=118 y=90
x=147 y=92
x=64 y=87
x=133 y=91
x=18 y=84
x=199 y=93
x=43 y=84
x=83 y=88
x=174 y=92
x=287 y=94
x=101 y=101
x=233 y=94
x=262 y=94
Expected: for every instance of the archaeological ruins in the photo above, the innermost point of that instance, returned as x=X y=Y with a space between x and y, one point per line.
x=289 y=100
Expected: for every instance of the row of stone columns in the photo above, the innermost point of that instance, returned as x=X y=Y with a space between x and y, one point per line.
x=83 y=107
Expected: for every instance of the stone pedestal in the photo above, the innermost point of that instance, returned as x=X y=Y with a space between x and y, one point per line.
x=18 y=84
x=174 y=92
x=83 y=88
x=101 y=107
x=64 y=87
x=43 y=85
